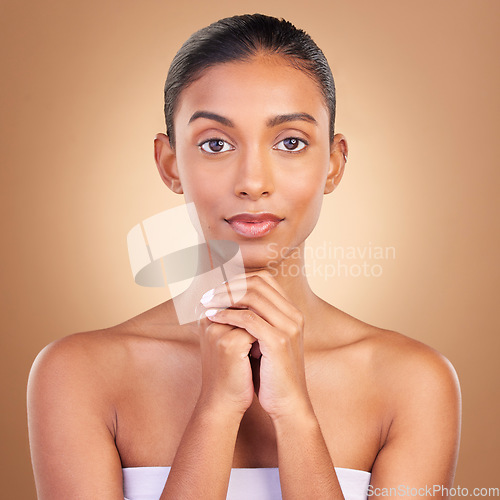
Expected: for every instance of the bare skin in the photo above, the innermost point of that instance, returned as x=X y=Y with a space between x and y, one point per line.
x=149 y=392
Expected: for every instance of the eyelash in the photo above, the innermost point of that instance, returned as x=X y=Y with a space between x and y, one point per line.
x=201 y=144
x=303 y=141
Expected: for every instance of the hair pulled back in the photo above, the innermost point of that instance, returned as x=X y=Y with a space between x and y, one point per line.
x=239 y=38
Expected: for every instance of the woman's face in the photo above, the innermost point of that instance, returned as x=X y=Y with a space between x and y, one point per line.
x=253 y=154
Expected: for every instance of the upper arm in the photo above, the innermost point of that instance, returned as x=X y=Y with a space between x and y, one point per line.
x=420 y=453
x=71 y=426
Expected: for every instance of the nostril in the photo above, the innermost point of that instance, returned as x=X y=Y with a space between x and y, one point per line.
x=263 y=193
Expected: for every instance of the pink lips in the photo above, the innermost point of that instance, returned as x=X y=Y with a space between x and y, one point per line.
x=253 y=225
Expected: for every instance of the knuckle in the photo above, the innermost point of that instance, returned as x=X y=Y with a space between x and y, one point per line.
x=264 y=273
x=252 y=295
x=214 y=330
x=256 y=280
x=211 y=331
x=248 y=316
x=295 y=331
x=281 y=341
x=299 y=319
x=225 y=343
x=268 y=274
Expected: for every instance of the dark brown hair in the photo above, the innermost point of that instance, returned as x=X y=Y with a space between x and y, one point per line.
x=238 y=38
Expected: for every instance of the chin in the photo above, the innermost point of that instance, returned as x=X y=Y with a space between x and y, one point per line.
x=258 y=258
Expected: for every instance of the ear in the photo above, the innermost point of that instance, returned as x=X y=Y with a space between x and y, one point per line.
x=338 y=159
x=166 y=163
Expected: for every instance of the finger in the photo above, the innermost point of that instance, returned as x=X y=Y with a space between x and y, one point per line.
x=259 y=296
x=235 y=287
x=233 y=291
x=245 y=319
x=270 y=339
x=230 y=338
x=281 y=316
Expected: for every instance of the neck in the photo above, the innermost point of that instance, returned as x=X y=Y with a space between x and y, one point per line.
x=290 y=274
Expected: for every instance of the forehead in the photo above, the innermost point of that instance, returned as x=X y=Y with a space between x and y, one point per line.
x=262 y=87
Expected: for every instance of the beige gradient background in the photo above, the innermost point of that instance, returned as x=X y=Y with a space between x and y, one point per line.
x=81 y=99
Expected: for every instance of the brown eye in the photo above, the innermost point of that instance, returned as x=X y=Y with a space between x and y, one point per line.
x=291 y=144
x=215 y=146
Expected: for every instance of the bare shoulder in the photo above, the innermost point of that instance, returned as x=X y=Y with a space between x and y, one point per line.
x=99 y=352
x=420 y=387
x=80 y=370
x=98 y=363
x=71 y=417
x=405 y=371
x=420 y=405
x=88 y=354
x=388 y=355
x=75 y=387
x=411 y=366
x=415 y=392
x=78 y=387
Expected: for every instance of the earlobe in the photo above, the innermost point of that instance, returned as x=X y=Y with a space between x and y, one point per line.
x=338 y=159
x=166 y=162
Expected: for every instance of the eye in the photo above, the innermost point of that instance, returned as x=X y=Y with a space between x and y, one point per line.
x=213 y=146
x=293 y=144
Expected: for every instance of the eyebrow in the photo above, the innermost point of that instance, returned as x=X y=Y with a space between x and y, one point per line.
x=279 y=119
x=272 y=122
x=211 y=116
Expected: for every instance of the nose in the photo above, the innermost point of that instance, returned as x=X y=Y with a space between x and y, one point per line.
x=254 y=176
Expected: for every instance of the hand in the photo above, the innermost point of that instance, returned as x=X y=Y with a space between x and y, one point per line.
x=268 y=316
x=226 y=372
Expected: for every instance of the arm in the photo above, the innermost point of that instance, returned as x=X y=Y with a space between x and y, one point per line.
x=71 y=427
x=203 y=460
x=202 y=464
x=306 y=469
x=72 y=418
x=421 y=448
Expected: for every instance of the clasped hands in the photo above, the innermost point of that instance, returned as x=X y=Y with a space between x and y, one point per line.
x=262 y=324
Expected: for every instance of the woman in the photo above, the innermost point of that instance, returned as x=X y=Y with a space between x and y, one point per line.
x=276 y=392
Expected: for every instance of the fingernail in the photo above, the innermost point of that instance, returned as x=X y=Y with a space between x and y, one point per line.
x=211 y=312
x=207 y=296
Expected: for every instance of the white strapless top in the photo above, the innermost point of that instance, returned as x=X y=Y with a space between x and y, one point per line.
x=147 y=483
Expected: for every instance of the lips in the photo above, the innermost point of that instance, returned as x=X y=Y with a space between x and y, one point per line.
x=253 y=225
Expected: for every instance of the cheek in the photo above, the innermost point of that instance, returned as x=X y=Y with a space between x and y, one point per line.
x=308 y=203
x=206 y=194
x=307 y=189
x=307 y=195
x=198 y=184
